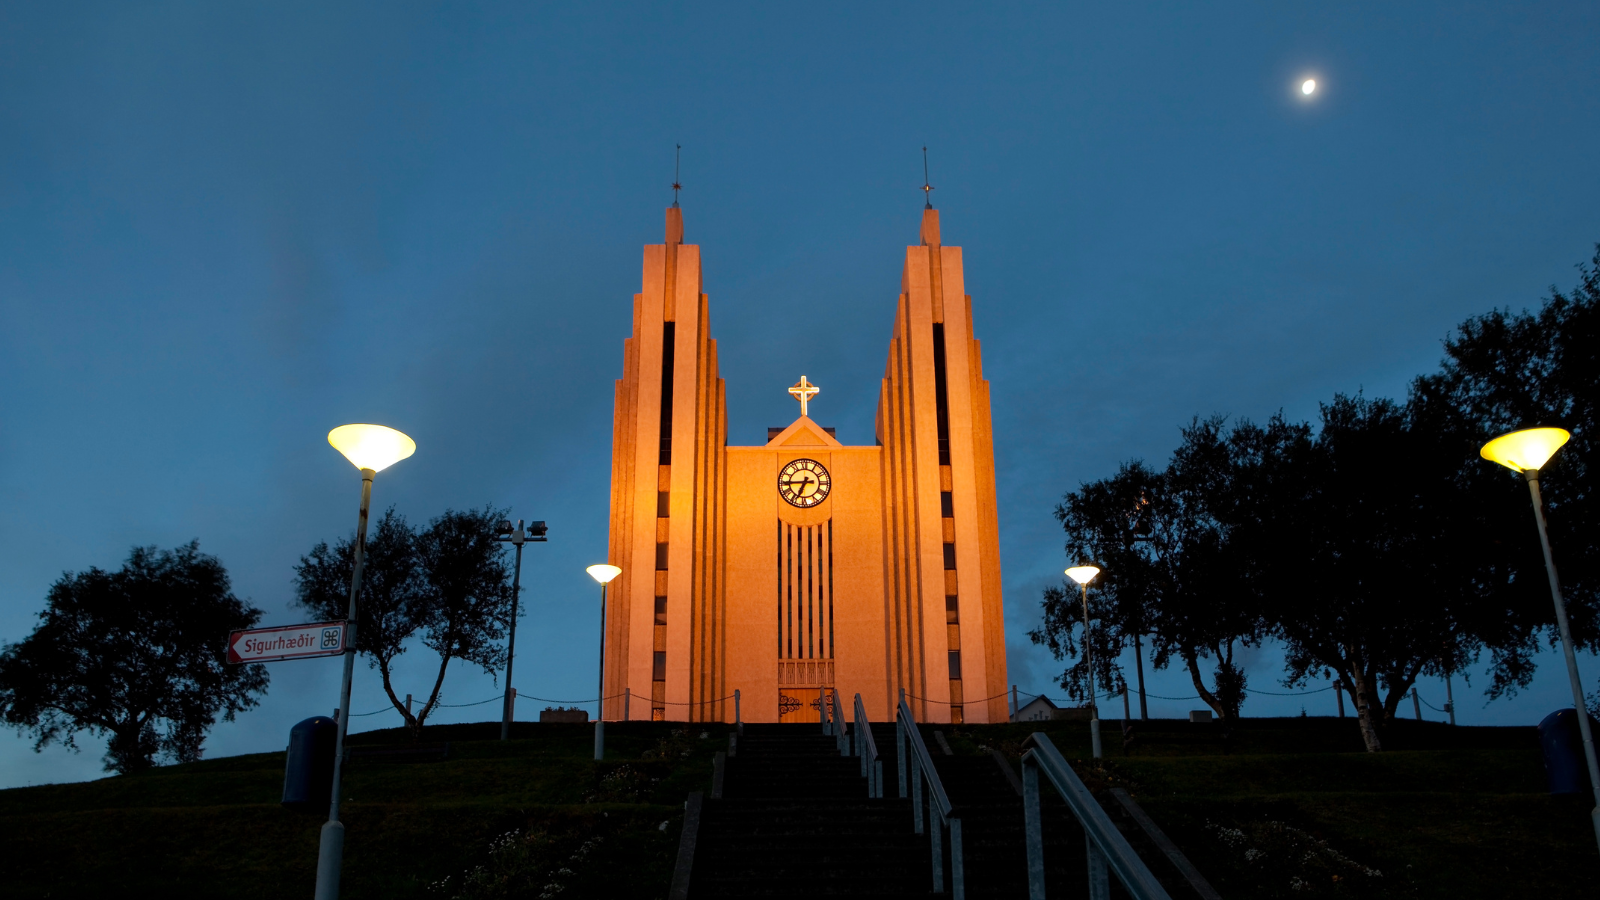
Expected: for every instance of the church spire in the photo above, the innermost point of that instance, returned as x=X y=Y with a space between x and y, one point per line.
x=674 y=213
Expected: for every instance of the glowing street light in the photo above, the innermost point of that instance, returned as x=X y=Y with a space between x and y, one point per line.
x=371 y=448
x=1527 y=451
x=1083 y=575
x=602 y=573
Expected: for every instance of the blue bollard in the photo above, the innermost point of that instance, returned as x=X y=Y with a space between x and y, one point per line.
x=308 y=768
x=1565 y=770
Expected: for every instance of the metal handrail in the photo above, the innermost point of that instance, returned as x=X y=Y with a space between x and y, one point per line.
x=863 y=744
x=840 y=737
x=908 y=737
x=822 y=710
x=1106 y=845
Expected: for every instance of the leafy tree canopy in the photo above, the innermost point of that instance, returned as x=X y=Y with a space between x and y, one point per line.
x=1503 y=371
x=137 y=655
x=447 y=584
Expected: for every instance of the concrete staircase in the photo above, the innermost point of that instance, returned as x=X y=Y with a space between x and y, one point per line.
x=794 y=821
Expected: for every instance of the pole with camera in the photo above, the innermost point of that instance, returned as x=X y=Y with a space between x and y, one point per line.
x=534 y=532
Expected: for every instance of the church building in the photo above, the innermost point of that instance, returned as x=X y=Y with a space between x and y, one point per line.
x=803 y=564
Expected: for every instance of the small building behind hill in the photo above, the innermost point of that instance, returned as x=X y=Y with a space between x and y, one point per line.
x=1041 y=709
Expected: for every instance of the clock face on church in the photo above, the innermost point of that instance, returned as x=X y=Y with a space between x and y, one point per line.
x=804 y=483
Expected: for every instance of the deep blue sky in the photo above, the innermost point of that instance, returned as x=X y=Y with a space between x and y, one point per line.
x=225 y=229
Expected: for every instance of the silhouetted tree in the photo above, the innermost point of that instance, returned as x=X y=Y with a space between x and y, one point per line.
x=1370 y=559
x=1169 y=569
x=389 y=610
x=447 y=585
x=466 y=597
x=137 y=655
x=1504 y=371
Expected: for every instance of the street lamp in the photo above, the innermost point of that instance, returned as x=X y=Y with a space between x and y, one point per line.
x=516 y=537
x=602 y=573
x=372 y=448
x=1083 y=575
x=1527 y=451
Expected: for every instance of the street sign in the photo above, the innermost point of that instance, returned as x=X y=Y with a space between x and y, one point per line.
x=286 y=642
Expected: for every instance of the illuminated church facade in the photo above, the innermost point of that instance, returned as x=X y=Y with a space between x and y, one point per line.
x=803 y=564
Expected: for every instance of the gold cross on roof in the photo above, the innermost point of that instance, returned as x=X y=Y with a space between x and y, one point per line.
x=804 y=391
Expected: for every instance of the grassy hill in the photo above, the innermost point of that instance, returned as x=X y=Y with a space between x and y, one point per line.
x=1293 y=807
x=215 y=827
x=1446 y=813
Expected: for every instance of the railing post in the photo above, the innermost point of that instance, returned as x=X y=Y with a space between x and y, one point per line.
x=844 y=733
x=1099 y=879
x=935 y=834
x=916 y=793
x=900 y=753
x=877 y=780
x=958 y=880
x=841 y=730
x=738 y=723
x=1033 y=828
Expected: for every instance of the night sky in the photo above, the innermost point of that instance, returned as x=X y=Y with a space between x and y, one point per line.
x=226 y=229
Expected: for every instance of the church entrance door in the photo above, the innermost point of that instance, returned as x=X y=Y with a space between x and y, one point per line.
x=800 y=704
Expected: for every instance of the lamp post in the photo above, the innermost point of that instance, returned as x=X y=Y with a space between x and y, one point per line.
x=1083 y=575
x=516 y=537
x=372 y=448
x=602 y=573
x=1527 y=451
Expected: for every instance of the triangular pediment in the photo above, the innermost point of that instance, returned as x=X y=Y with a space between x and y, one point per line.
x=803 y=433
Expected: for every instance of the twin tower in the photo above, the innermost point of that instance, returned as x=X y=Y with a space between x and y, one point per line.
x=803 y=565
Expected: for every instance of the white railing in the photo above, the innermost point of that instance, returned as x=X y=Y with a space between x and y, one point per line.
x=1106 y=845
x=941 y=815
x=864 y=746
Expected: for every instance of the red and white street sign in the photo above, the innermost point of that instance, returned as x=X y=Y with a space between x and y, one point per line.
x=286 y=642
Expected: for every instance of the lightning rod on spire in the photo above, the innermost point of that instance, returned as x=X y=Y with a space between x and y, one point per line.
x=676 y=187
x=926 y=187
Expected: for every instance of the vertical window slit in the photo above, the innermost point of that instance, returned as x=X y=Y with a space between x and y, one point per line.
x=829 y=586
x=668 y=335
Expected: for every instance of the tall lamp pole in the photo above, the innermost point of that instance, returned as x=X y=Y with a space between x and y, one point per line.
x=602 y=573
x=372 y=448
x=1527 y=451
x=1083 y=575
x=516 y=537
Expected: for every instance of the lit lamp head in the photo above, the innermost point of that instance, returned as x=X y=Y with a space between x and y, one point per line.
x=371 y=447
x=1526 y=450
x=603 y=573
x=1083 y=574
